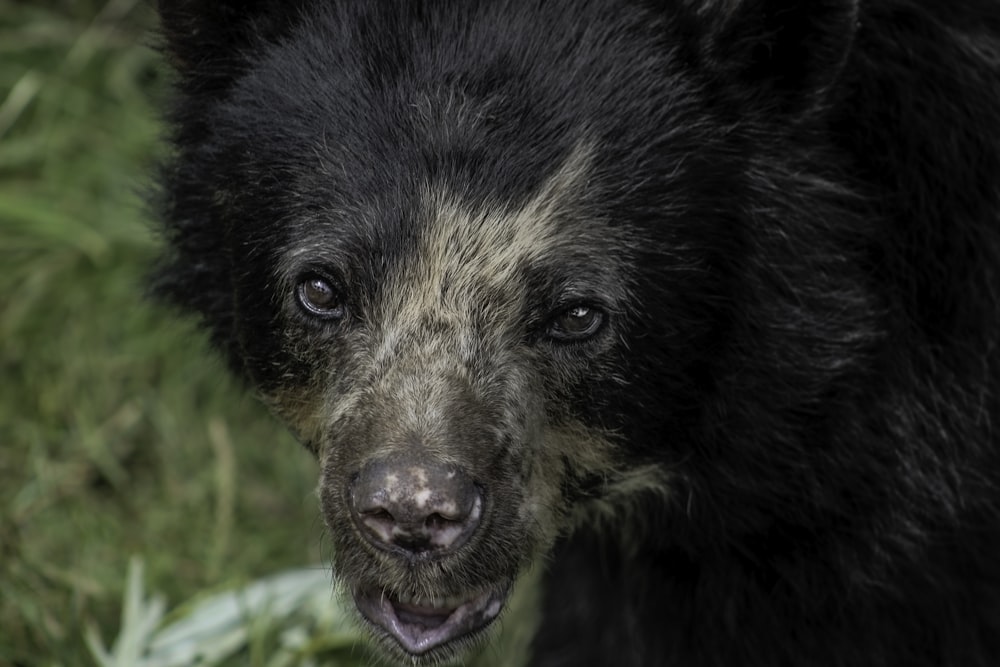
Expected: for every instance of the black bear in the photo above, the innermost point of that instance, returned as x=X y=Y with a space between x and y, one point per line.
x=625 y=332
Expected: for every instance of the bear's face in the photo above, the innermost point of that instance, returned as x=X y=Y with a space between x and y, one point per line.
x=431 y=285
x=440 y=389
x=482 y=259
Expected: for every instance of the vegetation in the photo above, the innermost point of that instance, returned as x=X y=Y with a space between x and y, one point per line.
x=120 y=433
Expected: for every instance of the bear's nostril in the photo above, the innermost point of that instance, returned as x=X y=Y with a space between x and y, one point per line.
x=381 y=515
x=379 y=523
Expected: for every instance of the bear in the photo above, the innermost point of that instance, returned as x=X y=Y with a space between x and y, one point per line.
x=624 y=332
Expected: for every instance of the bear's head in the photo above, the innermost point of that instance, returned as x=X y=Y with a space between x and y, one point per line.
x=510 y=268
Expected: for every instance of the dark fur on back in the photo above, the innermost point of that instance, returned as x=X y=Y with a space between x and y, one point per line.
x=779 y=446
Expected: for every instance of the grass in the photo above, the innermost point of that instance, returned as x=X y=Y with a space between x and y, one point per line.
x=120 y=433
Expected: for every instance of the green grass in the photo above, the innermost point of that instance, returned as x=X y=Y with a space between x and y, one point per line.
x=120 y=433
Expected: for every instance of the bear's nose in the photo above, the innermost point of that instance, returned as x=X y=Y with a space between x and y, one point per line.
x=416 y=504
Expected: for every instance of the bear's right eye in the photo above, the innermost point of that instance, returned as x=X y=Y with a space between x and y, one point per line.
x=320 y=298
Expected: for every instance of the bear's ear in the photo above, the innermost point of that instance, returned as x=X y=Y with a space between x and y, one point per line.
x=209 y=38
x=785 y=53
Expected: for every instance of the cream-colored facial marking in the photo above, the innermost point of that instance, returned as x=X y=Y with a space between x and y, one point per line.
x=465 y=253
x=463 y=279
x=456 y=297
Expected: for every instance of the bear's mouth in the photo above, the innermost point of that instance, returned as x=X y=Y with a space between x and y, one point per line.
x=420 y=625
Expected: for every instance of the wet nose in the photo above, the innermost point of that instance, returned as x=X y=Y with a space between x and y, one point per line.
x=416 y=504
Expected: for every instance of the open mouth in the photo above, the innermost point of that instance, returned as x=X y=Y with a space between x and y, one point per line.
x=422 y=624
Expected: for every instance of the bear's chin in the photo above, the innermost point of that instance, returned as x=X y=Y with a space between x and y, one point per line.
x=428 y=626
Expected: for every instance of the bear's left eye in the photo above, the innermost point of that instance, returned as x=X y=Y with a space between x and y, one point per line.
x=576 y=323
x=320 y=298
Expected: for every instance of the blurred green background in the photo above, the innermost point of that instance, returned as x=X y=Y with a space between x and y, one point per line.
x=120 y=433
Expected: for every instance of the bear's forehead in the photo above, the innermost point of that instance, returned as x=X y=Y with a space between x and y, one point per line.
x=471 y=253
x=450 y=257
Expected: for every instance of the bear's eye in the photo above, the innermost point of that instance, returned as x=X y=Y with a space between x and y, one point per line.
x=320 y=298
x=576 y=323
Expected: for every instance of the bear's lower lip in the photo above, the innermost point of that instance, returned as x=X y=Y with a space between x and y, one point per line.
x=420 y=626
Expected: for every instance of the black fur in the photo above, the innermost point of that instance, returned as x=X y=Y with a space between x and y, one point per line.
x=802 y=213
